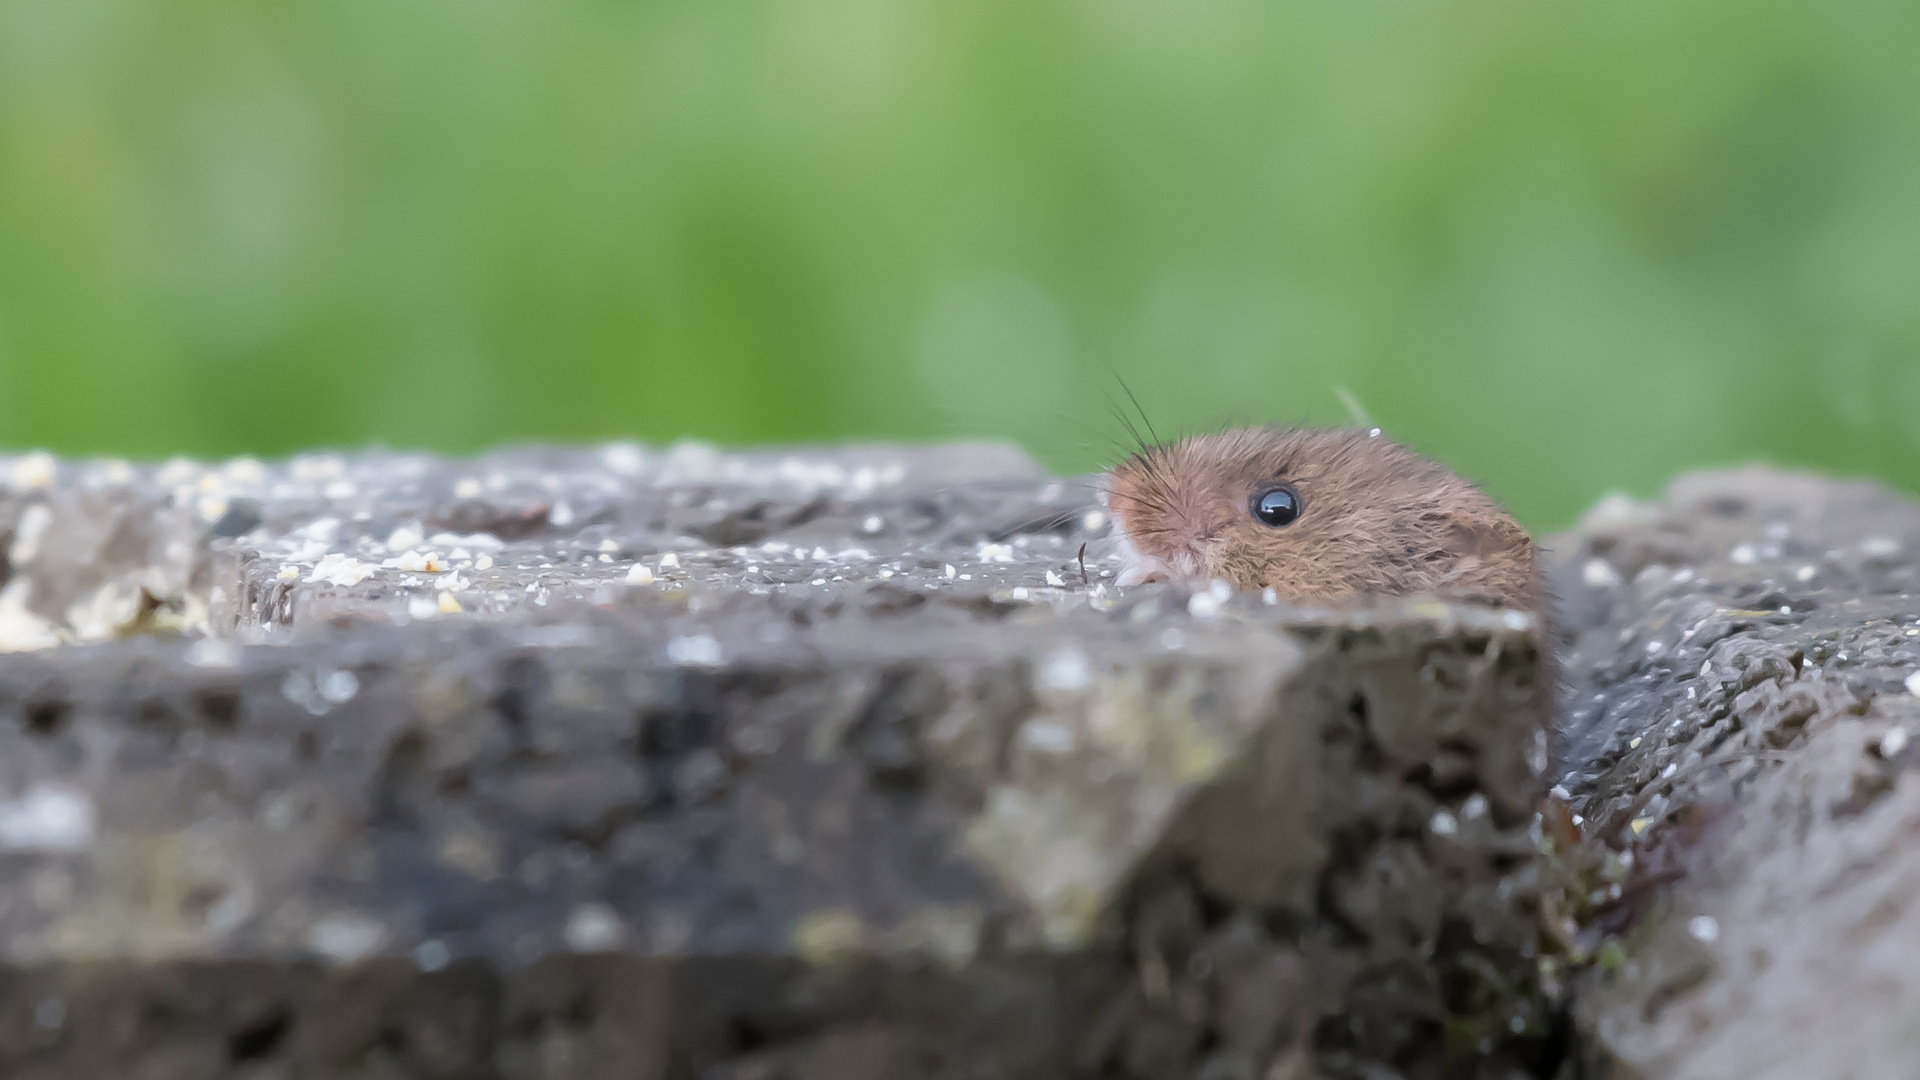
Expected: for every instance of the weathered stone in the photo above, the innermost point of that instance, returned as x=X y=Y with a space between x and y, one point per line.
x=1741 y=709
x=813 y=764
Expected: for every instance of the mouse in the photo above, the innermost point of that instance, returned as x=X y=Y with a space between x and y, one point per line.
x=1322 y=516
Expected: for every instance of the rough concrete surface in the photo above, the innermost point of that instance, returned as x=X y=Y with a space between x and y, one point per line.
x=1744 y=665
x=617 y=762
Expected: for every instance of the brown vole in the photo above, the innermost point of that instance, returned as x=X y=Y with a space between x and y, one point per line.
x=1321 y=516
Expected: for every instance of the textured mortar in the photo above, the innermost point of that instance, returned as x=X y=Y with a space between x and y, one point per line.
x=1739 y=721
x=398 y=766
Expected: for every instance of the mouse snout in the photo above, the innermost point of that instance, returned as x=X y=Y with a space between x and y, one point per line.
x=1165 y=530
x=1139 y=567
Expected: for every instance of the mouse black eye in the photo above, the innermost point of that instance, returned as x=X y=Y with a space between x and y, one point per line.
x=1276 y=506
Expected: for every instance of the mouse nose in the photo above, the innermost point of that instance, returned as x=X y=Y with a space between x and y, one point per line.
x=1138 y=567
x=1141 y=575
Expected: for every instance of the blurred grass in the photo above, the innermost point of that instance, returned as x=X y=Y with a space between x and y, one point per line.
x=1569 y=247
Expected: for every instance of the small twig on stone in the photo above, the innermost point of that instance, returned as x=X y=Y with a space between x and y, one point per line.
x=1084 y=580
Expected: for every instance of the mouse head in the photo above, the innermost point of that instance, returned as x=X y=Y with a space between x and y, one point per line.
x=1320 y=515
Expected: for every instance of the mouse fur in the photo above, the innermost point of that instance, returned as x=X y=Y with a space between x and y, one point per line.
x=1375 y=519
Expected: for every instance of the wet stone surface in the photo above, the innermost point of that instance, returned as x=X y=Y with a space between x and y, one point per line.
x=619 y=762
x=1741 y=720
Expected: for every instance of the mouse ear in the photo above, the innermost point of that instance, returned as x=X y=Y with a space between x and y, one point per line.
x=1472 y=536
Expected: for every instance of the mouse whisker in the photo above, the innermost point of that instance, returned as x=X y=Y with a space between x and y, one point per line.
x=1103 y=436
x=1140 y=444
x=1137 y=408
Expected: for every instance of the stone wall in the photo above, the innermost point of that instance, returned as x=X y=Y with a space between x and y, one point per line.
x=838 y=763
x=1744 y=659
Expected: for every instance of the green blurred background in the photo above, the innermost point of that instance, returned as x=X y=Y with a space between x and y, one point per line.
x=1569 y=247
